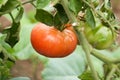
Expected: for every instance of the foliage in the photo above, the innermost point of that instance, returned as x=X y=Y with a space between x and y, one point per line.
x=15 y=40
x=66 y=68
x=20 y=78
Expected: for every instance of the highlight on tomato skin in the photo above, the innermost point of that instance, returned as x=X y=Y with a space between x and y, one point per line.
x=50 y=42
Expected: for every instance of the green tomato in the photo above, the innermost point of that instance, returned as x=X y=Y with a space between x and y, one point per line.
x=100 y=37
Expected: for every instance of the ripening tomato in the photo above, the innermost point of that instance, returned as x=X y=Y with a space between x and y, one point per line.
x=100 y=37
x=50 y=42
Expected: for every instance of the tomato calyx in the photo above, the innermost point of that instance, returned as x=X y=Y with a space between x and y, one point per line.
x=64 y=26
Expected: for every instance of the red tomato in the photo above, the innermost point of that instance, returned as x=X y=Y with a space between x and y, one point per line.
x=50 y=42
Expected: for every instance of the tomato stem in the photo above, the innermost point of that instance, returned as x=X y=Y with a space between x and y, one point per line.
x=70 y=15
x=105 y=59
x=30 y=1
x=87 y=49
x=110 y=74
x=12 y=17
x=101 y=56
x=116 y=61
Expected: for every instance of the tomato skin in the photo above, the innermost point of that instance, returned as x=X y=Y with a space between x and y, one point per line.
x=50 y=42
x=100 y=37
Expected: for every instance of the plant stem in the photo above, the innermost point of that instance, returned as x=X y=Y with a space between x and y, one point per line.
x=101 y=56
x=87 y=50
x=33 y=5
x=111 y=72
x=118 y=71
x=105 y=59
x=116 y=61
x=30 y=1
x=81 y=38
x=11 y=17
x=71 y=16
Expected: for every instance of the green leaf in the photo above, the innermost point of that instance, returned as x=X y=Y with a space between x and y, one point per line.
x=2 y=2
x=9 y=64
x=107 y=5
x=8 y=7
x=19 y=15
x=12 y=34
x=4 y=70
x=90 y=18
x=13 y=31
x=61 y=17
x=44 y=17
x=21 y=78
x=76 y=5
x=67 y=68
x=87 y=75
x=6 y=48
x=42 y=3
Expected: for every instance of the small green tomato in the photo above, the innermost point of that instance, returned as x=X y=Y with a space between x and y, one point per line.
x=100 y=37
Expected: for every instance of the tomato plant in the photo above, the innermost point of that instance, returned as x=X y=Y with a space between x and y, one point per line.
x=51 y=42
x=78 y=27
